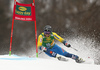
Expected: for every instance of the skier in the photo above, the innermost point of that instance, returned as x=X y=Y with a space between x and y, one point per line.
x=47 y=45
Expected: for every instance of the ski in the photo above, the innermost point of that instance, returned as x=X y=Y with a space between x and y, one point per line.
x=61 y=58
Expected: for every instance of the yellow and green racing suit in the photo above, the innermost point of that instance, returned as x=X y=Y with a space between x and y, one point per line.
x=48 y=42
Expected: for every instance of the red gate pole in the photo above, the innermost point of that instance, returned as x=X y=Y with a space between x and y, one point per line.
x=11 y=37
x=35 y=34
x=11 y=33
x=36 y=38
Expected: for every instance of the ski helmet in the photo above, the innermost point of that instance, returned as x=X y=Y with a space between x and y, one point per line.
x=47 y=29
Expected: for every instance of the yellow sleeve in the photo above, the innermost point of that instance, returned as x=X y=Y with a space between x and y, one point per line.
x=57 y=37
x=40 y=39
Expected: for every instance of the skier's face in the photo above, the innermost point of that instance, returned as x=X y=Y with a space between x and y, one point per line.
x=47 y=35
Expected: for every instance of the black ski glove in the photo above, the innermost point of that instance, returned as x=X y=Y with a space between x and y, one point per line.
x=66 y=44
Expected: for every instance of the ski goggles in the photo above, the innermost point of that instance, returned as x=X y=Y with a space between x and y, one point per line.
x=47 y=32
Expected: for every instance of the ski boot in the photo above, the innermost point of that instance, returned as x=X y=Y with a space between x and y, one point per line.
x=79 y=60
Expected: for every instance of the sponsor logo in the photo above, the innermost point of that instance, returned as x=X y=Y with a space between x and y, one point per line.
x=54 y=54
x=48 y=38
x=41 y=40
x=22 y=8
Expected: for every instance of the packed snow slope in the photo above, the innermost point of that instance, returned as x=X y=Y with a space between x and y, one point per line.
x=14 y=62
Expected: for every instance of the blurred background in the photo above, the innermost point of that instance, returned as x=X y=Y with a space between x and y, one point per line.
x=77 y=21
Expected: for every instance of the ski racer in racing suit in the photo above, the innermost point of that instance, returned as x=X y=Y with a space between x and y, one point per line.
x=46 y=44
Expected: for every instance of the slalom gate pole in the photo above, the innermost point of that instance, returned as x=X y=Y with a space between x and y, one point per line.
x=11 y=33
x=33 y=1
x=35 y=34
x=36 y=39
x=11 y=37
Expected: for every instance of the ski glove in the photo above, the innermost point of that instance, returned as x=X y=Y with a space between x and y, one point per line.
x=43 y=49
x=66 y=44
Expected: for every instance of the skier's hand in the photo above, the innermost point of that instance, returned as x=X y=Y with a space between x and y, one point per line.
x=66 y=44
x=43 y=49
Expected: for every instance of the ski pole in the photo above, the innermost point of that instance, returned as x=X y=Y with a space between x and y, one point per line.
x=74 y=48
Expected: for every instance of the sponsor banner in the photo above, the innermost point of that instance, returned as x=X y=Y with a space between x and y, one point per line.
x=24 y=12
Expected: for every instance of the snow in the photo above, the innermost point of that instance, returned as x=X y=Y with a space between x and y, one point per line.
x=15 y=62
